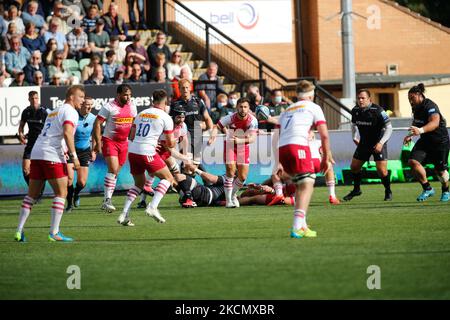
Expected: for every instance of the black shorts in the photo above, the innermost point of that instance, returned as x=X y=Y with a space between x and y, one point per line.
x=425 y=152
x=84 y=156
x=364 y=152
x=209 y=196
x=27 y=152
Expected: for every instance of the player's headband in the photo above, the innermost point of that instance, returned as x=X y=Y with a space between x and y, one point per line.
x=306 y=94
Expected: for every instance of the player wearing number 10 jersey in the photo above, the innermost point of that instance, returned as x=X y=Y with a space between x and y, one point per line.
x=118 y=115
x=148 y=126
x=295 y=154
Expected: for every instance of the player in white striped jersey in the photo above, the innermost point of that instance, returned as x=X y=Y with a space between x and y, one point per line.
x=148 y=126
x=48 y=162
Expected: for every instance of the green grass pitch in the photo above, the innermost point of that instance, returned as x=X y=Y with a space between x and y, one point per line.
x=245 y=253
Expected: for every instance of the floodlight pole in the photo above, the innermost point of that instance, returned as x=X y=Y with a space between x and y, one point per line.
x=348 y=54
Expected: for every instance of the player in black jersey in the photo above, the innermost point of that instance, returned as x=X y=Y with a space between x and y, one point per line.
x=34 y=116
x=212 y=194
x=375 y=129
x=433 y=145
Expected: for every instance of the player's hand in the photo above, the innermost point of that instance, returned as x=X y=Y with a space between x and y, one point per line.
x=203 y=125
x=407 y=140
x=326 y=164
x=22 y=139
x=98 y=148
x=415 y=131
x=266 y=189
x=211 y=140
x=76 y=164
x=378 y=148
x=93 y=156
x=356 y=141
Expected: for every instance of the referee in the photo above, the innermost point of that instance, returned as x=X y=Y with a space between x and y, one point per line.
x=34 y=116
x=375 y=129
x=433 y=145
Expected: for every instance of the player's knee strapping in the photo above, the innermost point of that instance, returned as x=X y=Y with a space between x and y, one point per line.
x=444 y=177
x=304 y=178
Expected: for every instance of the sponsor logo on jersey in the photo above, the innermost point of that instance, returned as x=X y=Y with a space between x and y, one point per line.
x=123 y=120
x=294 y=108
x=53 y=114
x=149 y=116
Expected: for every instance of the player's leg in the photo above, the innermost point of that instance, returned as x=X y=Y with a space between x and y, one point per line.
x=26 y=170
x=112 y=163
x=228 y=183
x=148 y=190
x=242 y=173
x=303 y=194
x=59 y=186
x=416 y=158
x=82 y=175
x=70 y=189
x=330 y=180
x=139 y=181
x=385 y=178
x=355 y=168
x=259 y=199
x=440 y=161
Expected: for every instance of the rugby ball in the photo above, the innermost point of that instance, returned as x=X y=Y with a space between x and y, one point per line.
x=262 y=112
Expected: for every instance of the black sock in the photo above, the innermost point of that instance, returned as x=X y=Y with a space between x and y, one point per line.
x=78 y=189
x=426 y=186
x=386 y=182
x=444 y=188
x=356 y=181
x=70 y=195
x=27 y=178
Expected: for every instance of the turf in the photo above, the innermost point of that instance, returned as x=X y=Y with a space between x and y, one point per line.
x=245 y=253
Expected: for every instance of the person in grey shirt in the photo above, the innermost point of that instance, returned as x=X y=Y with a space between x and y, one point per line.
x=209 y=92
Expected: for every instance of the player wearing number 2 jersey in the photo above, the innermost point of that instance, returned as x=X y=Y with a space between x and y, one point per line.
x=295 y=155
x=118 y=115
x=48 y=162
x=147 y=128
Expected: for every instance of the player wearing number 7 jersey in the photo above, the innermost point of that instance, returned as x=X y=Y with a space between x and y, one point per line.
x=48 y=162
x=295 y=154
x=148 y=126
x=118 y=115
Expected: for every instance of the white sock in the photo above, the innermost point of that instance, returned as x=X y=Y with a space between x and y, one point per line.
x=160 y=191
x=228 y=186
x=278 y=186
x=57 y=212
x=25 y=210
x=331 y=188
x=110 y=185
x=299 y=219
x=237 y=185
x=131 y=195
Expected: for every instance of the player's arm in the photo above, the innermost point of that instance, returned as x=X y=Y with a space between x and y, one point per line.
x=132 y=133
x=202 y=94
x=170 y=141
x=68 y=130
x=97 y=134
x=21 y=133
x=433 y=124
x=386 y=136
x=327 y=158
x=213 y=135
x=273 y=120
x=208 y=120
x=355 y=133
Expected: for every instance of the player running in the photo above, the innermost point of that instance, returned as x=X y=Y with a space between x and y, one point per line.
x=295 y=154
x=433 y=145
x=240 y=129
x=48 y=162
x=375 y=129
x=85 y=153
x=118 y=115
x=148 y=126
x=34 y=116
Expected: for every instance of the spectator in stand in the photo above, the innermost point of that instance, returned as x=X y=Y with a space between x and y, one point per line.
x=87 y=4
x=110 y=65
x=2 y=80
x=8 y=3
x=31 y=15
x=115 y=23
x=38 y=79
x=132 y=17
x=175 y=65
x=57 y=80
x=57 y=68
x=61 y=12
x=50 y=52
x=35 y=65
x=136 y=74
x=209 y=92
x=158 y=46
x=120 y=52
x=77 y=3
x=79 y=47
x=160 y=76
x=13 y=17
x=218 y=111
x=90 y=20
x=40 y=8
x=99 y=39
x=19 y=80
x=3 y=26
x=97 y=76
x=128 y=65
x=17 y=57
x=233 y=97
x=118 y=77
x=137 y=50
x=88 y=70
x=60 y=38
x=32 y=40
x=6 y=39
x=160 y=63
x=254 y=96
x=184 y=74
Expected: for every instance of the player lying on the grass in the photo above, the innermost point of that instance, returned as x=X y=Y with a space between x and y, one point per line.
x=85 y=153
x=263 y=194
x=148 y=126
x=240 y=129
x=212 y=194
x=48 y=162
x=171 y=155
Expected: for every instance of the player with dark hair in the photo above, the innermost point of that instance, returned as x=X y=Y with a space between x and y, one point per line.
x=34 y=116
x=375 y=129
x=118 y=115
x=85 y=153
x=212 y=194
x=433 y=145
